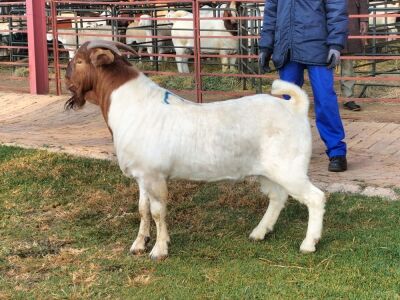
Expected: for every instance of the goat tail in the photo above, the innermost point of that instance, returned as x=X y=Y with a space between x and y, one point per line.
x=298 y=97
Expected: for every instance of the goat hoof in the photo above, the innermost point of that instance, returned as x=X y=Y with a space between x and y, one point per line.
x=258 y=235
x=158 y=257
x=159 y=253
x=307 y=247
x=139 y=245
x=254 y=238
x=137 y=251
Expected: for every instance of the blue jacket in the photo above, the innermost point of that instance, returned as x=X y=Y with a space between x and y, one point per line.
x=303 y=30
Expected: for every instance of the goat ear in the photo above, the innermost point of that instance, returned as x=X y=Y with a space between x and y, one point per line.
x=100 y=57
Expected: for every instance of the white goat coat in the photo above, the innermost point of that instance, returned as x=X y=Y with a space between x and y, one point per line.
x=182 y=32
x=222 y=140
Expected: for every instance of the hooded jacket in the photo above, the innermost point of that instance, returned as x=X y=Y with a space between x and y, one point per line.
x=303 y=30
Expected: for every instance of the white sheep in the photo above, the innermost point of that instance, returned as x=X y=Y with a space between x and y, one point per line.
x=183 y=39
x=159 y=136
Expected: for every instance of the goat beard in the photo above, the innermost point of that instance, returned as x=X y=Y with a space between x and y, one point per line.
x=75 y=102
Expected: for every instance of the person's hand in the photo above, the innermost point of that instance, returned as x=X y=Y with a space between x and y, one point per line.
x=363 y=28
x=333 y=58
x=364 y=31
x=263 y=60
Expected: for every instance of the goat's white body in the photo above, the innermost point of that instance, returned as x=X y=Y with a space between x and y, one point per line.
x=220 y=140
x=163 y=30
x=385 y=22
x=158 y=137
x=68 y=36
x=184 y=42
x=136 y=35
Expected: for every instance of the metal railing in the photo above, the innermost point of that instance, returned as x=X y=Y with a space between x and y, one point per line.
x=14 y=71
x=215 y=71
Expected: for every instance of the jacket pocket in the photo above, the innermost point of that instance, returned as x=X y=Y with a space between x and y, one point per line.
x=315 y=31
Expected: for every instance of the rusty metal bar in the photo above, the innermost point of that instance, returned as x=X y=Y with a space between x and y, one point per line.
x=200 y=70
x=37 y=47
x=53 y=10
x=197 y=50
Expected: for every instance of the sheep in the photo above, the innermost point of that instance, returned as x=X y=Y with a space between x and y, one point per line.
x=159 y=136
x=387 y=22
x=183 y=38
x=69 y=39
x=163 y=30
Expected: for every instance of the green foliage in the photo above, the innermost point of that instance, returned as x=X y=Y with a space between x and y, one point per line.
x=66 y=225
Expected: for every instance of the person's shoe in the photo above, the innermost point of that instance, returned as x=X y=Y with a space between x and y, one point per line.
x=351 y=105
x=337 y=164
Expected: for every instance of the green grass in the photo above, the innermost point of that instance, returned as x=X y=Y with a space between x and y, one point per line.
x=66 y=225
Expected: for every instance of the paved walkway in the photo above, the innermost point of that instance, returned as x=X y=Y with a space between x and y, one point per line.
x=374 y=145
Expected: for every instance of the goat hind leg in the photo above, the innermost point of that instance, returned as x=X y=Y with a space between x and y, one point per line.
x=315 y=201
x=277 y=199
x=305 y=192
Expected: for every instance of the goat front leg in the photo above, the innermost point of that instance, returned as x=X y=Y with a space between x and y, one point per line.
x=156 y=188
x=232 y=64
x=143 y=237
x=181 y=62
x=225 y=63
x=150 y=52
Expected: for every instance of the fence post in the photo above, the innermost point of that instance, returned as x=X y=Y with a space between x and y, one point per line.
x=37 y=47
x=197 y=50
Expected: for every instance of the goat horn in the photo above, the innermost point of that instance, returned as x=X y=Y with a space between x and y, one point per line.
x=111 y=45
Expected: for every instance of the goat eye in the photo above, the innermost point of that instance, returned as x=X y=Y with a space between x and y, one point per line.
x=79 y=61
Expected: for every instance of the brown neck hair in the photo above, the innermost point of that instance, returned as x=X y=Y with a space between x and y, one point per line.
x=109 y=78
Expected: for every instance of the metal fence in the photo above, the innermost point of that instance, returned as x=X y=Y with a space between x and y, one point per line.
x=13 y=46
x=205 y=50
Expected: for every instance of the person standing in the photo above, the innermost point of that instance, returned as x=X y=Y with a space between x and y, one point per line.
x=357 y=26
x=309 y=34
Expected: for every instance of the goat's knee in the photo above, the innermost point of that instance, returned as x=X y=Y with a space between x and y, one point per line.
x=277 y=199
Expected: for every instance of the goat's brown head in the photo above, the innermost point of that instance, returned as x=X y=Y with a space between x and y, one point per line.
x=232 y=11
x=90 y=62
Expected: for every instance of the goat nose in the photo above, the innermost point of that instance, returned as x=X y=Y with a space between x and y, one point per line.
x=68 y=72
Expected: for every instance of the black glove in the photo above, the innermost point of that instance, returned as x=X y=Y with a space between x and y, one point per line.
x=333 y=58
x=264 y=57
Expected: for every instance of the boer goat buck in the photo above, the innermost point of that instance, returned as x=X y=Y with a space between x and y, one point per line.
x=158 y=135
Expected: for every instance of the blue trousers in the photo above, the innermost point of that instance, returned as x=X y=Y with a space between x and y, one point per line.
x=328 y=121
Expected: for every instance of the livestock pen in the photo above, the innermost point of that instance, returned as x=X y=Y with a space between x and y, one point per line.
x=215 y=71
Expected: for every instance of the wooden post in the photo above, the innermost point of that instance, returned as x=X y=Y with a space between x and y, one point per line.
x=37 y=47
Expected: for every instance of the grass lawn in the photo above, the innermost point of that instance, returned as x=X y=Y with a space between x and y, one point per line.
x=66 y=226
